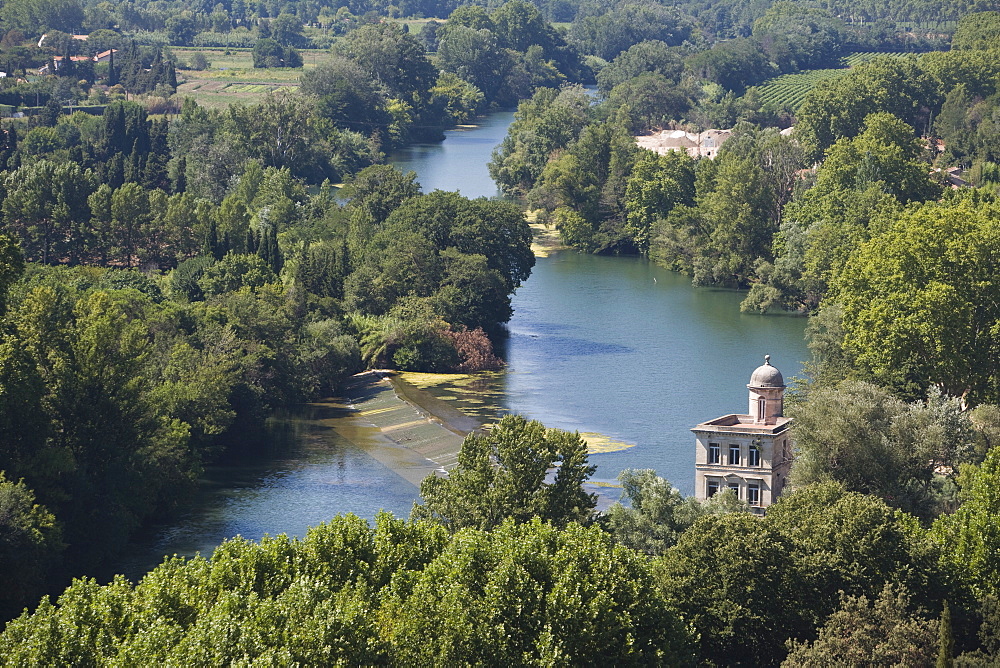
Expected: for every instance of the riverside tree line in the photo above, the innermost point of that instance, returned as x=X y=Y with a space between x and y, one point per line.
x=501 y=562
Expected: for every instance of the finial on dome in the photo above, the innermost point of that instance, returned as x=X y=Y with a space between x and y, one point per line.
x=767 y=360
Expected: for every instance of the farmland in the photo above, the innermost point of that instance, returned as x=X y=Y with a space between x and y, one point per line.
x=789 y=90
x=232 y=78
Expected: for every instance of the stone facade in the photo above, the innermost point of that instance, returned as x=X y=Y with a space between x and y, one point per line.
x=750 y=454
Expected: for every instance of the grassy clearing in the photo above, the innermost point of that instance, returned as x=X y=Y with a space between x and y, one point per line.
x=232 y=78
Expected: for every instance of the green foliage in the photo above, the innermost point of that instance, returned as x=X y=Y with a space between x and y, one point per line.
x=795 y=37
x=657 y=514
x=270 y=53
x=748 y=584
x=529 y=594
x=503 y=475
x=532 y=594
x=884 y=632
x=734 y=64
x=917 y=300
x=657 y=184
x=466 y=256
x=235 y=272
x=546 y=123
x=892 y=85
x=977 y=31
x=969 y=537
x=651 y=56
x=30 y=542
x=608 y=32
x=728 y=578
x=869 y=441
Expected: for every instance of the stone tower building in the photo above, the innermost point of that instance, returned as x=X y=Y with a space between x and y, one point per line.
x=750 y=454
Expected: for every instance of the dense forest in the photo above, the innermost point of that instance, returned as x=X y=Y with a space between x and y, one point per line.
x=172 y=273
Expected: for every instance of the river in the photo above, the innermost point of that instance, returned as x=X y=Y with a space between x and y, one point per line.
x=616 y=347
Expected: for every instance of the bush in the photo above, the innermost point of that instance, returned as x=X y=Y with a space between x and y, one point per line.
x=199 y=62
x=475 y=351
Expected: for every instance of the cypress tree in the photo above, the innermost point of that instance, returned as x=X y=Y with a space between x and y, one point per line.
x=112 y=72
x=171 y=77
x=179 y=180
x=210 y=246
x=946 y=641
x=277 y=262
x=251 y=242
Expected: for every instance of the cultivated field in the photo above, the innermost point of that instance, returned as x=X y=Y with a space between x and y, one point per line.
x=790 y=90
x=232 y=77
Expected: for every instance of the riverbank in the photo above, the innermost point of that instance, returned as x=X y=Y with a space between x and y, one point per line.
x=408 y=430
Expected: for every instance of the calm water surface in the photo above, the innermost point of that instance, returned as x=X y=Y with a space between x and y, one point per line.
x=621 y=347
x=615 y=346
x=459 y=162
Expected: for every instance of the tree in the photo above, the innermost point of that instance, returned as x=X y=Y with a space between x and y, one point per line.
x=970 y=538
x=847 y=543
x=380 y=189
x=346 y=95
x=34 y=17
x=549 y=121
x=976 y=31
x=286 y=30
x=528 y=594
x=502 y=475
x=650 y=56
x=891 y=85
x=733 y=64
x=269 y=53
x=885 y=155
x=651 y=100
x=728 y=578
x=30 y=543
x=657 y=514
x=181 y=28
x=525 y=594
x=919 y=300
x=861 y=436
x=392 y=57
x=44 y=206
x=796 y=37
x=657 y=184
x=235 y=272
x=476 y=57
x=881 y=632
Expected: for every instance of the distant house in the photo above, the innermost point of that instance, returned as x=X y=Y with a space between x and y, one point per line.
x=102 y=57
x=703 y=144
x=952 y=176
x=58 y=60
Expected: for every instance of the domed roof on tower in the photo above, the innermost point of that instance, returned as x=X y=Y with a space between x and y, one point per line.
x=766 y=375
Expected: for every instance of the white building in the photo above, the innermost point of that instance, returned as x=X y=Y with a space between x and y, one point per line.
x=749 y=454
x=705 y=144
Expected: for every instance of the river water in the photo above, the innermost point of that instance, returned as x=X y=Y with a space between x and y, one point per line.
x=613 y=346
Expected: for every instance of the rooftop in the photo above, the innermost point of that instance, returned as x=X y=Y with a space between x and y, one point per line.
x=743 y=423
